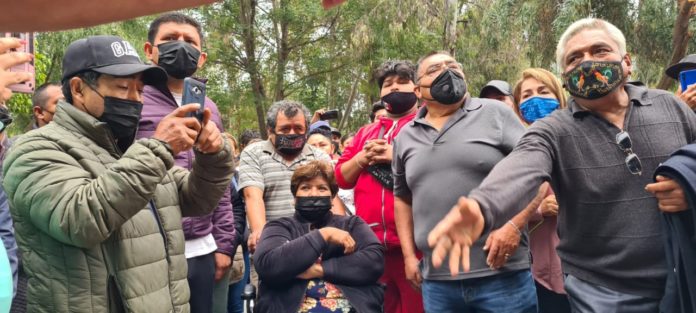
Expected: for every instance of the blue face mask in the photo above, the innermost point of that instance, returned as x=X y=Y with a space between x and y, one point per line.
x=535 y=108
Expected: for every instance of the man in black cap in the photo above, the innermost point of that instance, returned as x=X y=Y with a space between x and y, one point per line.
x=498 y=90
x=98 y=214
x=686 y=64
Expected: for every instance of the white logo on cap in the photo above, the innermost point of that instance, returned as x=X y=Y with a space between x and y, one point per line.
x=121 y=48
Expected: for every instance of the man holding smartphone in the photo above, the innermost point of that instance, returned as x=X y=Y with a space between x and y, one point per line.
x=97 y=213
x=175 y=44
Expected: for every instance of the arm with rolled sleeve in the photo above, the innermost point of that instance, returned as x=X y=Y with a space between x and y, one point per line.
x=403 y=211
x=251 y=185
x=517 y=177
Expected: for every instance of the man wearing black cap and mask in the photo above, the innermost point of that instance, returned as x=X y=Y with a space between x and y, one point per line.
x=686 y=64
x=498 y=90
x=446 y=151
x=98 y=213
x=174 y=43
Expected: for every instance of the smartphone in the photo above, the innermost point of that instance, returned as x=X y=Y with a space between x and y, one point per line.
x=329 y=115
x=194 y=92
x=28 y=86
x=687 y=78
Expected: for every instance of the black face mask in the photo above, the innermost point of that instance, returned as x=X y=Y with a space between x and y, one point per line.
x=290 y=145
x=122 y=117
x=179 y=59
x=313 y=209
x=399 y=102
x=448 y=88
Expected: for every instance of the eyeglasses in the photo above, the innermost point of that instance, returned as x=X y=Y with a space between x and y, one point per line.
x=632 y=161
x=437 y=68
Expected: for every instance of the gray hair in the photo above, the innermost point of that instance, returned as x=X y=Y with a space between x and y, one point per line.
x=588 y=24
x=290 y=108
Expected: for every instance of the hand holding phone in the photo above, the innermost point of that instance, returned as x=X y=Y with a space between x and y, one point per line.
x=9 y=75
x=329 y=115
x=194 y=92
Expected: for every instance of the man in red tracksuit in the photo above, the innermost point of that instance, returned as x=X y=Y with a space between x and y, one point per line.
x=366 y=166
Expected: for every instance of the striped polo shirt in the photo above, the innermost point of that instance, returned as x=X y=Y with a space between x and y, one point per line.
x=261 y=166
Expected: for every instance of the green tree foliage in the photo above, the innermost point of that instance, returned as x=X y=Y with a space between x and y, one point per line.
x=263 y=50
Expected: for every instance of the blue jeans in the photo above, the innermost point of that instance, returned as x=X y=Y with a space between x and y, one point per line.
x=234 y=295
x=503 y=293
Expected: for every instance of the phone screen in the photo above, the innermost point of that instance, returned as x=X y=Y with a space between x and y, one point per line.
x=194 y=92
x=687 y=78
x=28 y=86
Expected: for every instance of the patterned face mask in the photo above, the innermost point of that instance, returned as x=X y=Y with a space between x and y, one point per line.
x=593 y=79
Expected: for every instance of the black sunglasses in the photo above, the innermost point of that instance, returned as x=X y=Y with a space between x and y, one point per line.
x=632 y=161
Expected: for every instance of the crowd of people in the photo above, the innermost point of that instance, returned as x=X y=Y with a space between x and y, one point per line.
x=124 y=199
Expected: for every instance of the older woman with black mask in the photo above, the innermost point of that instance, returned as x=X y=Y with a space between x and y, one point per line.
x=316 y=261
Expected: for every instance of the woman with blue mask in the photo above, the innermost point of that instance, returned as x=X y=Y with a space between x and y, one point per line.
x=537 y=94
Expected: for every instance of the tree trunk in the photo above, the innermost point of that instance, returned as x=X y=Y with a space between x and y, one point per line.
x=351 y=100
x=282 y=50
x=680 y=39
x=248 y=19
x=450 y=35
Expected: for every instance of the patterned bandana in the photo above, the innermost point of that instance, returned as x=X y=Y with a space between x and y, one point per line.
x=593 y=79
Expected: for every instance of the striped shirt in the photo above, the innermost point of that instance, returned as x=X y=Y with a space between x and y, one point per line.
x=262 y=167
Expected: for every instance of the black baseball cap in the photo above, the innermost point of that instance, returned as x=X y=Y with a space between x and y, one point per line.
x=499 y=85
x=335 y=131
x=687 y=63
x=110 y=55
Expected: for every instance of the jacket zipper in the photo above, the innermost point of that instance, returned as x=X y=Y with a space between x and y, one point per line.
x=161 y=229
x=384 y=221
x=112 y=273
x=389 y=138
x=166 y=249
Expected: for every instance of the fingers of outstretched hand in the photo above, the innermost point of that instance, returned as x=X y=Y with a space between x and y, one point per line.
x=440 y=250
x=445 y=225
x=454 y=257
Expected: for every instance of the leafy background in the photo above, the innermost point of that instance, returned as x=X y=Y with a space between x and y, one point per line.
x=261 y=51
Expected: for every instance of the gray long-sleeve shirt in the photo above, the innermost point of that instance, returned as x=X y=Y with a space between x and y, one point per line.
x=609 y=226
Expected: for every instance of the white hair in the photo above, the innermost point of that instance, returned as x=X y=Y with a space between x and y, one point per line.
x=588 y=24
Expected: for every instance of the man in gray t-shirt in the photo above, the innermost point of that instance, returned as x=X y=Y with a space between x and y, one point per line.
x=444 y=153
x=265 y=167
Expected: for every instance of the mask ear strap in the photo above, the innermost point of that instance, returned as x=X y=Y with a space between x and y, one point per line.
x=95 y=91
